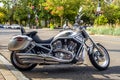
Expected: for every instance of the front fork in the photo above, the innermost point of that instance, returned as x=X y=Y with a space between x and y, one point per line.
x=99 y=55
x=85 y=47
x=93 y=43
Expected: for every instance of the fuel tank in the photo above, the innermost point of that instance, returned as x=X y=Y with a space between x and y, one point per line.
x=65 y=34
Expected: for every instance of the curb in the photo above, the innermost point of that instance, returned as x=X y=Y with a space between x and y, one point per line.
x=14 y=71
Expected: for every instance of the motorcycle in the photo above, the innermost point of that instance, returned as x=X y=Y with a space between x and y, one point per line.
x=67 y=47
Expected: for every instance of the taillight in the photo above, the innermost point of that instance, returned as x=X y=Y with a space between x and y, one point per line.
x=19 y=38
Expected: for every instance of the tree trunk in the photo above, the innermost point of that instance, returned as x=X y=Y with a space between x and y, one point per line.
x=61 y=21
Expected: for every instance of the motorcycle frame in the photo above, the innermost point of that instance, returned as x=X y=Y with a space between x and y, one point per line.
x=78 y=38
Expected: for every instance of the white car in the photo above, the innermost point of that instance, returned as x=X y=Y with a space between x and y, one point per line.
x=7 y=26
x=15 y=26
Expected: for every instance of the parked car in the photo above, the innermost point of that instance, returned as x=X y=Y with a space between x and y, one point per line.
x=15 y=26
x=1 y=26
x=7 y=26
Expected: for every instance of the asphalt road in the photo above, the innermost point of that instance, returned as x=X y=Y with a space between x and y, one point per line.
x=68 y=72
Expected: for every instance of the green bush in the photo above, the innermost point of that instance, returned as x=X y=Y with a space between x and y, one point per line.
x=101 y=20
x=116 y=32
x=105 y=30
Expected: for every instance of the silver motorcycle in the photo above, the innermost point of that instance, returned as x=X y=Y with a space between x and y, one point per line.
x=67 y=47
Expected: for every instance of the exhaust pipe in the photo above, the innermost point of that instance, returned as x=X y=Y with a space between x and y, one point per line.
x=30 y=58
x=42 y=58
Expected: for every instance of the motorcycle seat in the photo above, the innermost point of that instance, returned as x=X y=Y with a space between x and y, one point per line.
x=30 y=34
x=38 y=40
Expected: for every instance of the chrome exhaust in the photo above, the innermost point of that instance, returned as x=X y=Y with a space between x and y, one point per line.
x=30 y=58
x=42 y=58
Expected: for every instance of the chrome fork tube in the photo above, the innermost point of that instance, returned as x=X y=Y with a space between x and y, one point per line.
x=94 y=44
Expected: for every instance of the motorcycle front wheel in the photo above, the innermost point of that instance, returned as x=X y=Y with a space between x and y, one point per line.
x=16 y=61
x=100 y=62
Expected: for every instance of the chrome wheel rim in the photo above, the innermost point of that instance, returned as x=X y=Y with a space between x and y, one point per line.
x=101 y=60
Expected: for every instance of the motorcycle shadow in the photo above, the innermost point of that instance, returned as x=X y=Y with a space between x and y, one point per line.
x=74 y=73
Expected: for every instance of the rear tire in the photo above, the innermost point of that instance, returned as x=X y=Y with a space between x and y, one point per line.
x=94 y=58
x=19 y=65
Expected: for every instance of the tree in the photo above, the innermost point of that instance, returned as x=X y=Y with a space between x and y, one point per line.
x=89 y=7
x=112 y=13
x=101 y=20
x=62 y=8
x=8 y=5
x=33 y=11
x=2 y=15
x=55 y=7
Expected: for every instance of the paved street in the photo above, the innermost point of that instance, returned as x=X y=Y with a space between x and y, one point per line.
x=68 y=72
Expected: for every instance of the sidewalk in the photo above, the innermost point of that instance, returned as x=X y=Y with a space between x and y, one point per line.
x=7 y=71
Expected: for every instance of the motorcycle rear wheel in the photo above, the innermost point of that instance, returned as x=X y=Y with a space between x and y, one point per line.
x=18 y=64
x=100 y=62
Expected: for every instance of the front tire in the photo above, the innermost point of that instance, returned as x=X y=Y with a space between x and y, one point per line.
x=18 y=64
x=99 y=62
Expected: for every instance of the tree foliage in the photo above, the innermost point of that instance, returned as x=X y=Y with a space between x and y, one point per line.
x=101 y=20
x=64 y=9
x=34 y=11
x=2 y=14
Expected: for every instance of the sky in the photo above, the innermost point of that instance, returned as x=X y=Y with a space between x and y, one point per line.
x=1 y=4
